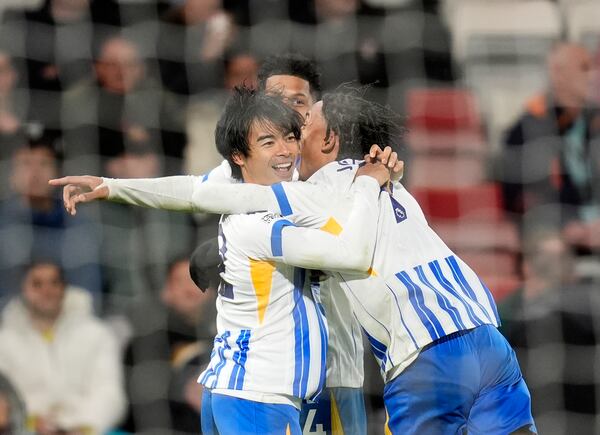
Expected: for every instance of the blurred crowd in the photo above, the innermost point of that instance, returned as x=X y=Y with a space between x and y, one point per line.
x=102 y=329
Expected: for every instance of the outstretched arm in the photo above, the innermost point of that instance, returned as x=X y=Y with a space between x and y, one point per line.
x=215 y=194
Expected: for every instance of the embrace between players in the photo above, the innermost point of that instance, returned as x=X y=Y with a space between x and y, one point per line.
x=288 y=352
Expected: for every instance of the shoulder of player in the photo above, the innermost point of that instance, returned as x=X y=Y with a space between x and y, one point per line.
x=338 y=174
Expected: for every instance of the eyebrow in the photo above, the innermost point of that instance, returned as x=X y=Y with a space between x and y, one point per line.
x=264 y=136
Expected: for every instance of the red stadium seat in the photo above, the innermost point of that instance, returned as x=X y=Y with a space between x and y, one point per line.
x=444 y=120
x=482 y=200
x=444 y=109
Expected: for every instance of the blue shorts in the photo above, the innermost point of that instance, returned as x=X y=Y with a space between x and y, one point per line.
x=226 y=415
x=337 y=411
x=467 y=381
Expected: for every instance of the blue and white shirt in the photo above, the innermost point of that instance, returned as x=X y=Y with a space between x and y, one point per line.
x=418 y=290
x=272 y=335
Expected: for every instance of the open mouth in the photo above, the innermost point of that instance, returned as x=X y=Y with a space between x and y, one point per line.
x=283 y=167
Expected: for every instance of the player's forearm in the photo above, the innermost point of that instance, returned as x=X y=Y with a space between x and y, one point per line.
x=352 y=249
x=167 y=193
x=190 y=193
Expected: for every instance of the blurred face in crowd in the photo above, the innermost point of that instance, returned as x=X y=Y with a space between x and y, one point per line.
x=317 y=150
x=119 y=68
x=8 y=75
x=271 y=157
x=181 y=294
x=329 y=9
x=31 y=170
x=571 y=75
x=68 y=10
x=198 y=11
x=295 y=91
x=43 y=291
x=242 y=69
x=552 y=260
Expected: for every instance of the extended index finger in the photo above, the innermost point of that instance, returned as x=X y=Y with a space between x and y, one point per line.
x=70 y=179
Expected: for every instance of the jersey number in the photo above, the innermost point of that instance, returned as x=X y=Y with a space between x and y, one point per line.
x=310 y=417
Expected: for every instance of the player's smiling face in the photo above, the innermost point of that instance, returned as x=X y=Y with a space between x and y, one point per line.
x=271 y=157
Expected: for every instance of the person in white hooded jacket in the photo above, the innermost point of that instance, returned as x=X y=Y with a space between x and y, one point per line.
x=61 y=358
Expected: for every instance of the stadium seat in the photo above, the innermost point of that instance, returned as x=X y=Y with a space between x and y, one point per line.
x=583 y=23
x=444 y=120
x=445 y=137
x=481 y=201
x=480 y=28
x=502 y=45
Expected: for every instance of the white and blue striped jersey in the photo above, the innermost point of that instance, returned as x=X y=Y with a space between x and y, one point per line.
x=272 y=336
x=272 y=330
x=183 y=193
x=418 y=290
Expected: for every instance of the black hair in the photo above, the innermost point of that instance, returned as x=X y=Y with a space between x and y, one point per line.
x=34 y=139
x=360 y=123
x=291 y=64
x=243 y=107
x=38 y=261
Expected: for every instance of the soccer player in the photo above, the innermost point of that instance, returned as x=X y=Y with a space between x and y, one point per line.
x=430 y=320
x=262 y=300
x=341 y=407
x=270 y=350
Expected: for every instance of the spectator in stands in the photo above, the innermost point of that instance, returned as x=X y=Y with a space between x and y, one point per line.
x=11 y=108
x=195 y=35
x=171 y=343
x=548 y=152
x=61 y=358
x=552 y=323
x=33 y=222
x=124 y=116
x=57 y=40
x=12 y=115
x=123 y=121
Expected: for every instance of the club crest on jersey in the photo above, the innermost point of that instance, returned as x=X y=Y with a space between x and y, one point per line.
x=399 y=210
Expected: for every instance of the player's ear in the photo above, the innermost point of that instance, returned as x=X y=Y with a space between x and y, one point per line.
x=331 y=144
x=238 y=159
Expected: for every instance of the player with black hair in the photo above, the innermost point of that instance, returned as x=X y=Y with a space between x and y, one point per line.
x=294 y=76
x=430 y=320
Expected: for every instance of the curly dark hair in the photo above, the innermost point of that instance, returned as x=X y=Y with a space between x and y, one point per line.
x=243 y=107
x=360 y=123
x=292 y=64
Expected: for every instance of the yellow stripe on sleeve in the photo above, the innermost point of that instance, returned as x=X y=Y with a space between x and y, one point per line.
x=332 y=227
x=261 y=273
